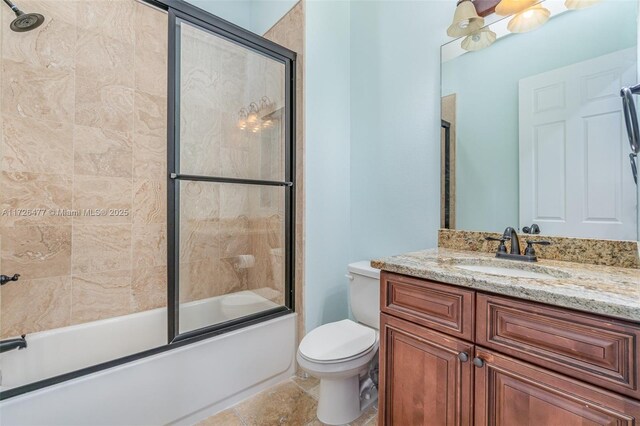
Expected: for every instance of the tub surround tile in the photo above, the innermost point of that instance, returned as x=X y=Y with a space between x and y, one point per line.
x=104 y=105
x=623 y=254
x=51 y=46
x=149 y=202
x=98 y=248
x=99 y=296
x=82 y=97
x=104 y=59
x=150 y=114
x=150 y=157
x=149 y=243
x=109 y=197
x=149 y=288
x=150 y=35
x=111 y=18
x=102 y=152
x=43 y=304
x=36 y=92
x=606 y=290
x=36 y=251
x=42 y=195
x=36 y=146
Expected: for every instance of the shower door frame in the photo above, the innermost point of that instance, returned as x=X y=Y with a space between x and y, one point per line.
x=179 y=11
x=229 y=31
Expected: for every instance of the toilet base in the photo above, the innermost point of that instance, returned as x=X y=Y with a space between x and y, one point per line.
x=339 y=401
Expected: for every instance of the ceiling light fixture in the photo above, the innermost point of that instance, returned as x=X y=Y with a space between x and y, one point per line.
x=529 y=19
x=465 y=20
x=511 y=7
x=479 y=40
x=580 y=4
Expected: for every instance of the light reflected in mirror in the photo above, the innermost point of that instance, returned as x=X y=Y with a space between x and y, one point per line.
x=533 y=128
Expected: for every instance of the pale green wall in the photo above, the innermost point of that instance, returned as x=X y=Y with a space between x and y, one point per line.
x=486 y=83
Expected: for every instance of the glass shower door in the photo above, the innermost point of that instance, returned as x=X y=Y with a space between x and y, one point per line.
x=232 y=179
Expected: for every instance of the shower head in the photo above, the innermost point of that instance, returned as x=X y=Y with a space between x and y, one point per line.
x=24 y=21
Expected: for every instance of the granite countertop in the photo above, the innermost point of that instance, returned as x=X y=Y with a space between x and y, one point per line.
x=605 y=290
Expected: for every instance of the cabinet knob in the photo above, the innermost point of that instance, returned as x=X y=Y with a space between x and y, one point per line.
x=463 y=356
x=478 y=362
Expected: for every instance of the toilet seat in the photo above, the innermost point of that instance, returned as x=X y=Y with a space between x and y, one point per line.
x=338 y=342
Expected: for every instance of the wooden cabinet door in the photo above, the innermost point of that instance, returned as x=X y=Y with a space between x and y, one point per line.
x=510 y=392
x=424 y=378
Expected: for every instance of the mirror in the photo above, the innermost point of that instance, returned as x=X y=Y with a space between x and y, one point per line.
x=533 y=125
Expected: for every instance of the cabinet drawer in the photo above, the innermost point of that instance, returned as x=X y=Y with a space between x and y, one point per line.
x=438 y=306
x=587 y=347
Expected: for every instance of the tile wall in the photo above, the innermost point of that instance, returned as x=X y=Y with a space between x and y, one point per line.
x=83 y=119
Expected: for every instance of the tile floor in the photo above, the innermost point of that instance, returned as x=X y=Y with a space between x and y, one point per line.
x=292 y=403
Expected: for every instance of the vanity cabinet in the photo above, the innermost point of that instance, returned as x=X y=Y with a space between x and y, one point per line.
x=454 y=356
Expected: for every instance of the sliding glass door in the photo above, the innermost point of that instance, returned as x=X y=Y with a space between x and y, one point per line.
x=231 y=178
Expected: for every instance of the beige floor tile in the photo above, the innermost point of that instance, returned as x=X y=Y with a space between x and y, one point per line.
x=285 y=404
x=306 y=383
x=225 y=418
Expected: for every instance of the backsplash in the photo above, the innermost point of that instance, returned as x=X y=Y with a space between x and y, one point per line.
x=622 y=254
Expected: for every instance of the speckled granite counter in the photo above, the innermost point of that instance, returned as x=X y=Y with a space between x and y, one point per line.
x=595 y=289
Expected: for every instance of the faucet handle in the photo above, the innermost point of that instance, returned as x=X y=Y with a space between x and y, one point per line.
x=501 y=248
x=530 y=251
x=533 y=229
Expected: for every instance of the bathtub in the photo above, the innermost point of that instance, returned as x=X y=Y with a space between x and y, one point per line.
x=178 y=386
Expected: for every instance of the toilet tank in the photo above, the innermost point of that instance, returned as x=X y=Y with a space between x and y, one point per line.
x=364 y=293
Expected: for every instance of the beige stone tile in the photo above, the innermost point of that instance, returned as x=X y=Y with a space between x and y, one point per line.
x=199 y=240
x=34 y=198
x=37 y=146
x=305 y=381
x=112 y=18
x=100 y=296
x=98 y=248
x=285 y=404
x=35 y=305
x=149 y=245
x=151 y=50
x=108 y=196
x=149 y=201
x=105 y=105
x=224 y=418
x=150 y=114
x=149 y=157
x=50 y=46
x=36 y=251
x=149 y=288
x=103 y=58
x=40 y=93
x=366 y=417
x=234 y=237
x=102 y=152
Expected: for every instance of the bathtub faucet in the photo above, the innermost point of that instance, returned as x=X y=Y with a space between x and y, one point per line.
x=7 y=345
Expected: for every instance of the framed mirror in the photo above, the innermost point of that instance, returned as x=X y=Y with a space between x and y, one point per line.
x=533 y=126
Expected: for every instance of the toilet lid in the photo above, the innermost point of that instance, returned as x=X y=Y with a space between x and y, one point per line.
x=337 y=340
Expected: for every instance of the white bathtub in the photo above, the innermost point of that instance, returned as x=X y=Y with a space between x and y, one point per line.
x=179 y=386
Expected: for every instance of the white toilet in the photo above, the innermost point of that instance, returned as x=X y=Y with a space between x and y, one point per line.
x=344 y=354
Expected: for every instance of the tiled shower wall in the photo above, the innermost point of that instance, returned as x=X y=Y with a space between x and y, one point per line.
x=290 y=32
x=83 y=114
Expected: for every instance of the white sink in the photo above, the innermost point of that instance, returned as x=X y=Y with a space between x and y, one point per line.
x=506 y=272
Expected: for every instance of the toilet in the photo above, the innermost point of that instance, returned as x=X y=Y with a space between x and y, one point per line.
x=344 y=354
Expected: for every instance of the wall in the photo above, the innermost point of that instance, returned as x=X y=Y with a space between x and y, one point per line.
x=327 y=178
x=395 y=125
x=487 y=145
x=266 y=13
x=83 y=114
x=235 y=11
